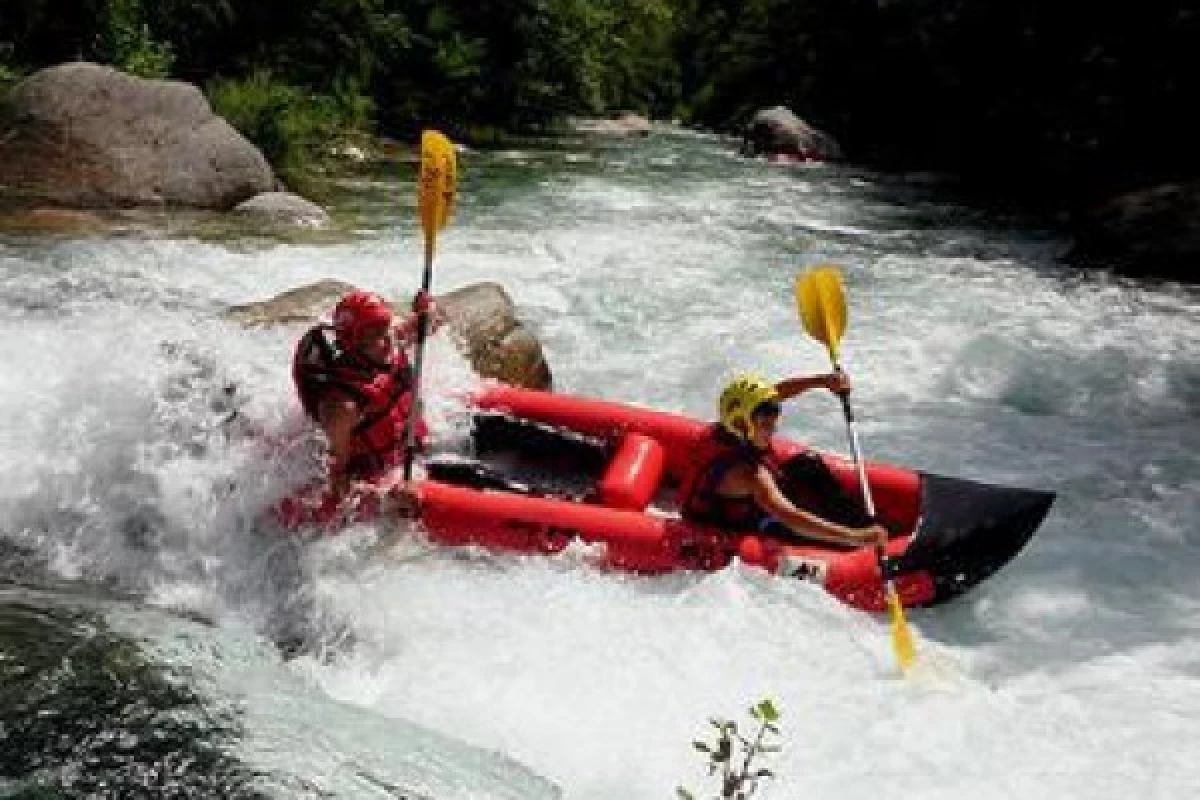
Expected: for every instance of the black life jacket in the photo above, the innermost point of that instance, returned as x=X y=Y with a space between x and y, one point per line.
x=719 y=452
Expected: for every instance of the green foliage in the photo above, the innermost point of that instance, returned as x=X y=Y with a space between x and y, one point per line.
x=293 y=127
x=8 y=79
x=1005 y=91
x=733 y=756
x=625 y=56
x=124 y=41
x=1030 y=93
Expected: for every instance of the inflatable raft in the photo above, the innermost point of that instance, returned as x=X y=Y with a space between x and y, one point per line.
x=551 y=468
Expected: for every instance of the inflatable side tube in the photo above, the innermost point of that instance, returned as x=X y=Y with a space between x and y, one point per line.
x=633 y=474
x=600 y=419
x=456 y=515
x=852 y=576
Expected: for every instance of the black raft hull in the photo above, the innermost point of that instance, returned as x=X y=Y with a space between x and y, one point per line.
x=969 y=530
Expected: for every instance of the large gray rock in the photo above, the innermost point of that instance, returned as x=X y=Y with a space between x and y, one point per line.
x=481 y=316
x=303 y=305
x=1150 y=232
x=88 y=136
x=484 y=318
x=779 y=132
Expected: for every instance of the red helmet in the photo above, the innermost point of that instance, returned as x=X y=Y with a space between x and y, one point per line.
x=357 y=313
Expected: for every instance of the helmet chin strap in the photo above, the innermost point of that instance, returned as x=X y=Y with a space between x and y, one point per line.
x=751 y=431
x=764 y=448
x=746 y=434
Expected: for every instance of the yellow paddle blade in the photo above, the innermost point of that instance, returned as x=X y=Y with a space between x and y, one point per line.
x=902 y=641
x=435 y=183
x=821 y=302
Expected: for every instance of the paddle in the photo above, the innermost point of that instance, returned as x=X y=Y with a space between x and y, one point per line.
x=822 y=305
x=435 y=198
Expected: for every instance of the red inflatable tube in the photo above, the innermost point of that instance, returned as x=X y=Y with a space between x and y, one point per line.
x=950 y=533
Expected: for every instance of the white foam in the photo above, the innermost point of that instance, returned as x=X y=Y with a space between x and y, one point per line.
x=1074 y=669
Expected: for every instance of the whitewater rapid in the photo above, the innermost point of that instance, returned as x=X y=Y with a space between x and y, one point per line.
x=144 y=435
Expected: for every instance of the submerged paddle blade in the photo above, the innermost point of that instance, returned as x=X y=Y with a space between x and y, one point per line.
x=902 y=641
x=436 y=181
x=822 y=306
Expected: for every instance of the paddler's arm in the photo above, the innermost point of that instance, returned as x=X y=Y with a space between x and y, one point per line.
x=406 y=329
x=772 y=500
x=338 y=415
x=836 y=382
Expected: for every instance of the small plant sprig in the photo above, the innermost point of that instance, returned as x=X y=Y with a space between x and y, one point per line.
x=740 y=776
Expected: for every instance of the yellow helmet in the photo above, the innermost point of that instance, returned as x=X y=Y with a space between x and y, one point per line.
x=740 y=399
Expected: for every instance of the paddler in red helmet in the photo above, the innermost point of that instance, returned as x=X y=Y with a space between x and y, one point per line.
x=355 y=380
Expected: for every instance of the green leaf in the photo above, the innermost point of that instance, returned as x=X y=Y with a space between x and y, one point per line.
x=768 y=711
x=701 y=746
x=684 y=794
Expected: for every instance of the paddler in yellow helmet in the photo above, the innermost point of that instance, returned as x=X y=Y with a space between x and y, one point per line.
x=734 y=483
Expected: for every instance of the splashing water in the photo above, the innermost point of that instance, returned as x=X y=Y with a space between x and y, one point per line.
x=144 y=441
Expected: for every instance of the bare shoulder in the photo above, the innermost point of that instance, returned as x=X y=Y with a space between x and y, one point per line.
x=760 y=474
x=336 y=407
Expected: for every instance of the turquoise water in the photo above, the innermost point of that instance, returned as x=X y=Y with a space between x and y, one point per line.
x=651 y=270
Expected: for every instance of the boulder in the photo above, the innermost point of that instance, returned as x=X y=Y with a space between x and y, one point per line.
x=284 y=207
x=86 y=136
x=303 y=305
x=495 y=341
x=1152 y=232
x=779 y=132
x=481 y=317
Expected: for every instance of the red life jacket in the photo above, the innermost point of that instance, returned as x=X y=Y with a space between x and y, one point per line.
x=382 y=394
x=719 y=452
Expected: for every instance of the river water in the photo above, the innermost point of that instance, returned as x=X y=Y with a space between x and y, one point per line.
x=143 y=435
